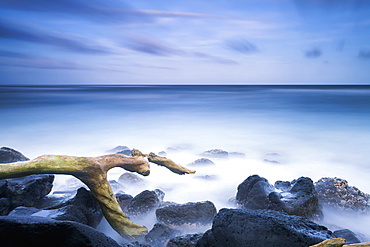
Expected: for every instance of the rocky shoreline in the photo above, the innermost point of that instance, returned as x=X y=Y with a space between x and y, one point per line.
x=286 y=213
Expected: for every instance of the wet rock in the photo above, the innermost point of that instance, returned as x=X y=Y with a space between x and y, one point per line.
x=9 y=155
x=24 y=211
x=25 y=191
x=348 y=235
x=215 y=153
x=130 y=179
x=189 y=240
x=145 y=202
x=162 y=153
x=202 y=162
x=43 y=232
x=196 y=213
x=123 y=200
x=160 y=235
x=338 y=194
x=116 y=186
x=260 y=228
x=121 y=150
x=83 y=208
x=135 y=244
x=297 y=197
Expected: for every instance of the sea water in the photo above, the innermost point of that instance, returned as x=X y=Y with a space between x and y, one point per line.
x=284 y=132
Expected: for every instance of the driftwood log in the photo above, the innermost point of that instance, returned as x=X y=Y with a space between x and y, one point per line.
x=92 y=171
x=338 y=242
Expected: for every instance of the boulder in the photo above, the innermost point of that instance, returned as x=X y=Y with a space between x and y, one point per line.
x=297 y=197
x=130 y=179
x=202 y=162
x=135 y=244
x=9 y=155
x=83 y=208
x=145 y=202
x=338 y=194
x=189 y=240
x=123 y=200
x=215 y=153
x=197 y=213
x=260 y=228
x=43 y=232
x=120 y=150
x=348 y=235
x=160 y=235
x=25 y=191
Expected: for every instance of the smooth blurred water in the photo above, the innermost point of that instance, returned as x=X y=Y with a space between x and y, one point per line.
x=317 y=131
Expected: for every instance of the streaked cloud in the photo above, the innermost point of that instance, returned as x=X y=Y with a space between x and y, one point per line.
x=242 y=46
x=23 y=32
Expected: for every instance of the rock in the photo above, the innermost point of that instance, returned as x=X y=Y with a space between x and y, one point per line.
x=260 y=228
x=348 y=235
x=83 y=208
x=189 y=240
x=215 y=153
x=24 y=211
x=43 y=232
x=25 y=191
x=202 y=162
x=160 y=235
x=271 y=161
x=123 y=200
x=336 y=193
x=119 y=149
x=197 y=213
x=129 y=179
x=297 y=197
x=135 y=244
x=9 y=155
x=145 y=202
x=116 y=186
x=162 y=153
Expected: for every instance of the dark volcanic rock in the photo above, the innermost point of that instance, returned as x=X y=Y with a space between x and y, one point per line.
x=43 y=232
x=348 y=235
x=8 y=155
x=160 y=234
x=121 y=150
x=123 y=200
x=198 y=213
x=336 y=193
x=83 y=208
x=202 y=162
x=24 y=191
x=297 y=197
x=145 y=202
x=261 y=228
x=215 y=153
x=135 y=244
x=189 y=240
x=130 y=179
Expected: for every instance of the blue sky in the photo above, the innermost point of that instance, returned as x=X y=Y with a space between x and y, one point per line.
x=185 y=42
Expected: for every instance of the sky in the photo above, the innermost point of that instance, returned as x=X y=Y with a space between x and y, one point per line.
x=184 y=42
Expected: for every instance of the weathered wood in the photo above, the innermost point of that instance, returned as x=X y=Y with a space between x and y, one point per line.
x=338 y=242
x=92 y=171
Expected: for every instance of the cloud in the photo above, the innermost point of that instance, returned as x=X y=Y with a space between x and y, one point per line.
x=159 y=48
x=25 y=61
x=313 y=53
x=242 y=46
x=25 y=33
x=150 y=46
x=364 y=54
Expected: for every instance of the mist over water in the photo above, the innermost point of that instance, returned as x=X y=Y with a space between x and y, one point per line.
x=284 y=131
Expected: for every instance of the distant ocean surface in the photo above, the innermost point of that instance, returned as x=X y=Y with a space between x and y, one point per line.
x=284 y=131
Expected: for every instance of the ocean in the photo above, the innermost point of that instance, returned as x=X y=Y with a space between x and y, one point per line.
x=284 y=132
